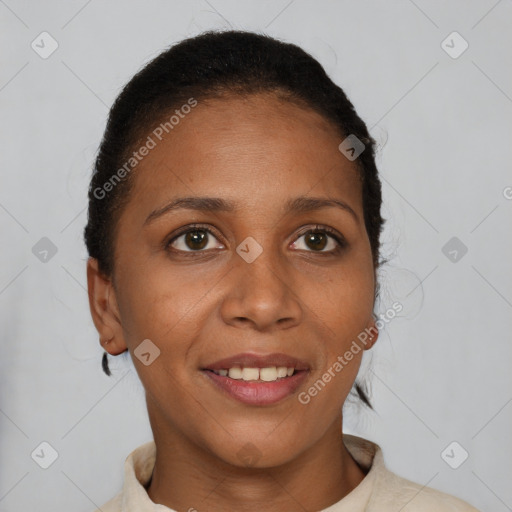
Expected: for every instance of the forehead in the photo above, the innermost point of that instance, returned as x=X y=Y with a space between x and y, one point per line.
x=251 y=149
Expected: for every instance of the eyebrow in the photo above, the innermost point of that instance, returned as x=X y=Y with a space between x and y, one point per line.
x=300 y=204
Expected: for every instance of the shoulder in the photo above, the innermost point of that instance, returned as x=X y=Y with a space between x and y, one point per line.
x=113 y=505
x=392 y=490
x=138 y=468
x=384 y=491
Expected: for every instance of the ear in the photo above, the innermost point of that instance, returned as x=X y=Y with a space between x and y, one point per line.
x=372 y=332
x=104 y=309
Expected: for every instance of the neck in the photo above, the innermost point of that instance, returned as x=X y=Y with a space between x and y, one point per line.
x=188 y=477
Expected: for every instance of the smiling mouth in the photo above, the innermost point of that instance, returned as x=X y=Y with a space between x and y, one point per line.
x=257 y=380
x=248 y=385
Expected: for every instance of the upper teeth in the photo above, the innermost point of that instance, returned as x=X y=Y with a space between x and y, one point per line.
x=266 y=374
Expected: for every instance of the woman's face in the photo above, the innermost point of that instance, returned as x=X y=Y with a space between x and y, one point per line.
x=246 y=280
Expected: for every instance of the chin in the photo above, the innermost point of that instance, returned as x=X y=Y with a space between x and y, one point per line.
x=248 y=452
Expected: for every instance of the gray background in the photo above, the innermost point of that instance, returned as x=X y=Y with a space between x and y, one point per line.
x=440 y=372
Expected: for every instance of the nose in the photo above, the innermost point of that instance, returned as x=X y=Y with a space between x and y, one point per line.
x=262 y=295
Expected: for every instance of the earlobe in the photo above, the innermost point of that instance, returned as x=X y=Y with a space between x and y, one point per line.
x=104 y=309
x=373 y=333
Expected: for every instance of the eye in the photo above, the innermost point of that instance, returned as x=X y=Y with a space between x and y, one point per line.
x=194 y=239
x=320 y=239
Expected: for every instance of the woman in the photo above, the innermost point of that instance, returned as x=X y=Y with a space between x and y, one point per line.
x=233 y=234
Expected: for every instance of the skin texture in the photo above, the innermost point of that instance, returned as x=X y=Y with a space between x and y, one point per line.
x=258 y=151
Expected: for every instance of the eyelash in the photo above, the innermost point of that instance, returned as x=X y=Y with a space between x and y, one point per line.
x=339 y=239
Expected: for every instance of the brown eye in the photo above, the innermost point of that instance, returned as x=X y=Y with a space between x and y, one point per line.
x=320 y=240
x=194 y=240
x=316 y=241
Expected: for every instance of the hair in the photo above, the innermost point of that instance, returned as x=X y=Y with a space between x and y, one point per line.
x=218 y=65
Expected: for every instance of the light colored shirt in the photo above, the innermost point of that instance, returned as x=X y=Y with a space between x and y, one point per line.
x=379 y=491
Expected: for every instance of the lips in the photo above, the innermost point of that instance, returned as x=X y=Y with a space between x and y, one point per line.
x=257 y=379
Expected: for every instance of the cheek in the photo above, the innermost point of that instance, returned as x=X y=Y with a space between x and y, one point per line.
x=343 y=310
x=345 y=301
x=168 y=309
x=158 y=303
